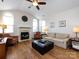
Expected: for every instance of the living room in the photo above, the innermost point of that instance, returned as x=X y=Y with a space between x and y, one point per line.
x=54 y=22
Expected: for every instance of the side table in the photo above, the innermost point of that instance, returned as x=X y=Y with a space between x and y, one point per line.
x=43 y=35
x=74 y=44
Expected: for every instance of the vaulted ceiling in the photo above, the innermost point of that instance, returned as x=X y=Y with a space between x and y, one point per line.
x=52 y=6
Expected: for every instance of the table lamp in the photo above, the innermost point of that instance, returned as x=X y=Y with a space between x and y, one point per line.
x=3 y=26
x=76 y=30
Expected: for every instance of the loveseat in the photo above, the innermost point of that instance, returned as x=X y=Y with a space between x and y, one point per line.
x=59 y=39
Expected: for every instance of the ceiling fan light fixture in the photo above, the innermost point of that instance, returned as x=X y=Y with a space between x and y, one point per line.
x=35 y=3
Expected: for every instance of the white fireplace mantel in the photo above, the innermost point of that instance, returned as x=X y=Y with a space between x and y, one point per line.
x=25 y=27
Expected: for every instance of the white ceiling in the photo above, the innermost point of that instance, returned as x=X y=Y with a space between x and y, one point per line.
x=52 y=6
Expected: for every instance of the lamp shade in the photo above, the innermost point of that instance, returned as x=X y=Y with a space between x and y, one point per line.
x=3 y=26
x=76 y=29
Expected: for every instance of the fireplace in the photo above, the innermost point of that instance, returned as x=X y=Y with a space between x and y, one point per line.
x=24 y=35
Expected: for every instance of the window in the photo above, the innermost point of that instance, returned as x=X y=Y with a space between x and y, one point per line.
x=38 y=25
x=9 y=21
x=35 y=25
x=43 y=25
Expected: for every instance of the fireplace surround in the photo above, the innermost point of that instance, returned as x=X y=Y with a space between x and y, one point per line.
x=24 y=33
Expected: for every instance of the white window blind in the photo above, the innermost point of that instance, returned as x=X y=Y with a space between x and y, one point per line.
x=35 y=25
x=38 y=25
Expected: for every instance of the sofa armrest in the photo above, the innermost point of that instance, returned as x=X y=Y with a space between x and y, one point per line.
x=66 y=39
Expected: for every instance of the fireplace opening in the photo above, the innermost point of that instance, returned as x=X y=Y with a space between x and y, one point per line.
x=24 y=35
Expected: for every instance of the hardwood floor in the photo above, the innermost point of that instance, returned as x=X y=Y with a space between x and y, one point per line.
x=25 y=51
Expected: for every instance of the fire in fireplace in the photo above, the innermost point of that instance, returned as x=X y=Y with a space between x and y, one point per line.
x=24 y=35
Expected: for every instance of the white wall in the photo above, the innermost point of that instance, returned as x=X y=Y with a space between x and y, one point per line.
x=18 y=21
x=72 y=19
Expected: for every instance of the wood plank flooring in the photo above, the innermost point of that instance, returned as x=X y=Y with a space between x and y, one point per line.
x=25 y=51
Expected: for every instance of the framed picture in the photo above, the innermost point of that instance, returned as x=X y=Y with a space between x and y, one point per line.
x=52 y=25
x=62 y=23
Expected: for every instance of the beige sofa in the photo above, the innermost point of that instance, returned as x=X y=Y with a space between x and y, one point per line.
x=59 y=39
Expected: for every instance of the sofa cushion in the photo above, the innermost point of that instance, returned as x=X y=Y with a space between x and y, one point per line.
x=61 y=35
x=6 y=35
x=1 y=35
x=51 y=35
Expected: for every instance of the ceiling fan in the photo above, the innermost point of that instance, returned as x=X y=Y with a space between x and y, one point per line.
x=36 y=3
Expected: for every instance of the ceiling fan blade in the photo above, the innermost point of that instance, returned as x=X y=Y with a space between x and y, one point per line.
x=29 y=0
x=38 y=7
x=30 y=6
x=2 y=0
x=42 y=3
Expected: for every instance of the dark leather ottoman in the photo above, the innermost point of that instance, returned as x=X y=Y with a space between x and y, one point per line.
x=42 y=46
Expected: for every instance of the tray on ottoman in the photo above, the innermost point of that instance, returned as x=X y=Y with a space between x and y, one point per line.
x=42 y=46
